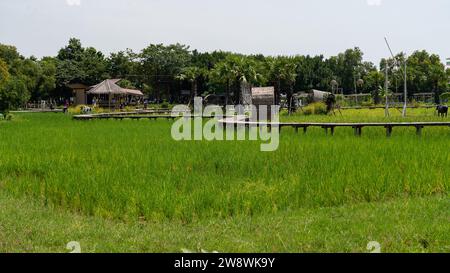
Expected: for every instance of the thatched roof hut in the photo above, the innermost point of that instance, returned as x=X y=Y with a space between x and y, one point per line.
x=110 y=87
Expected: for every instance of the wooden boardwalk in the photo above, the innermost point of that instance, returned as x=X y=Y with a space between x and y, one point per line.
x=357 y=127
x=243 y=121
x=38 y=111
x=135 y=117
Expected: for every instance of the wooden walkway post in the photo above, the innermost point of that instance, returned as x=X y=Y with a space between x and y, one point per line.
x=388 y=130
x=419 y=130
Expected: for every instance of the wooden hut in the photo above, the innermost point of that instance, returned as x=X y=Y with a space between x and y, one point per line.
x=79 y=93
x=263 y=96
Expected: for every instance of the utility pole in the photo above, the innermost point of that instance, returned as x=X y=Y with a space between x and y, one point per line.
x=386 y=88
x=405 y=94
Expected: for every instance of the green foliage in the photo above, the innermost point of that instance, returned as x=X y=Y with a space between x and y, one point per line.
x=47 y=80
x=373 y=80
x=367 y=103
x=4 y=73
x=123 y=64
x=13 y=94
x=9 y=54
x=223 y=74
x=317 y=108
x=191 y=73
x=126 y=84
x=445 y=96
x=164 y=60
x=6 y=116
x=78 y=64
x=164 y=105
x=158 y=70
x=235 y=70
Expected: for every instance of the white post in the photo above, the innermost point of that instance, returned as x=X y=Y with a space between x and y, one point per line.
x=405 y=95
x=386 y=83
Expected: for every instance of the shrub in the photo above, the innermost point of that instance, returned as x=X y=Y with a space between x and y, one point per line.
x=317 y=108
x=415 y=104
x=76 y=110
x=6 y=116
x=129 y=109
x=98 y=110
x=308 y=110
x=164 y=105
x=367 y=103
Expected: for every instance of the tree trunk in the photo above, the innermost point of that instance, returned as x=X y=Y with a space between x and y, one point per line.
x=289 y=97
x=227 y=92
x=193 y=90
x=277 y=92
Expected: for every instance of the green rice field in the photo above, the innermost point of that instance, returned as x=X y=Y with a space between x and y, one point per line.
x=126 y=185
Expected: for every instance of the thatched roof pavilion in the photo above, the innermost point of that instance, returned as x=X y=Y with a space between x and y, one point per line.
x=110 y=87
x=106 y=89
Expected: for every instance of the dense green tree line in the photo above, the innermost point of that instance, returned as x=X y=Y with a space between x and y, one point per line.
x=162 y=71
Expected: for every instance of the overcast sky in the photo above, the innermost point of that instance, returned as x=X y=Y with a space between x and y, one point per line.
x=41 y=27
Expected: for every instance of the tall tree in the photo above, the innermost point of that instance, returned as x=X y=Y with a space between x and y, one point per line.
x=373 y=82
x=288 y=73
x=122 y=64
x=4 y=73
x=191 y=74
x=223 y=73
x=274 y=75
x=13 y=94
x=161 y=64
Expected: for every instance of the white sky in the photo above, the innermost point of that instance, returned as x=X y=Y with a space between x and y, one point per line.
x=42 y=27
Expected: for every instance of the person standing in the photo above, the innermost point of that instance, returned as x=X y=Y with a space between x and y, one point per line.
x=145 y=104
x=66 y=106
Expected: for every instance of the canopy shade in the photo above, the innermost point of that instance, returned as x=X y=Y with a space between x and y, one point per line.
x=110 y=87
x=133 y=92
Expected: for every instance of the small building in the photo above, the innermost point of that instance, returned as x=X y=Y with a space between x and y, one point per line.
x=79 y=93
x=263 y=96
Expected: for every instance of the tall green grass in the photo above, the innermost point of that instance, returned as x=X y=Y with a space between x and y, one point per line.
x=366 y=115
x=134 y=170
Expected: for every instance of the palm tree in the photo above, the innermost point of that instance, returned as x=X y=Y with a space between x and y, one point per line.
x=191 y=74
x=288 y=74
x=246 y=72
x=224 y=74
x=274 y=72
x=237 y=69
